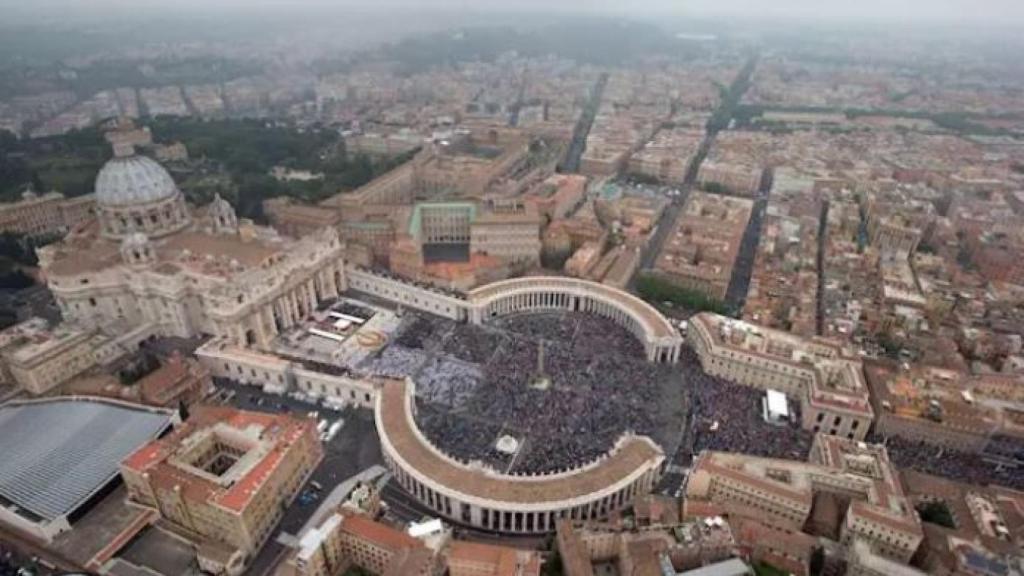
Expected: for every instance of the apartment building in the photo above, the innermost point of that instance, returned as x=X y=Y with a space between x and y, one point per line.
x=782 y=493
x=45 y=215
x=826 y=379
x=225 y=475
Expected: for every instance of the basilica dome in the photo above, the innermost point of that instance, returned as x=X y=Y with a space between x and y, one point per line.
x=133 y=180
x=134 y=194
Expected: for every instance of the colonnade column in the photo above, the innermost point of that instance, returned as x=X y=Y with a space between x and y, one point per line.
x=311 y=295
x=283 y=312
x=268 y=318
x=294 y=303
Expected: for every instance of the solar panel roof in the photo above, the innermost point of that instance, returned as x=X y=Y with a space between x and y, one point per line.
x=55 y=454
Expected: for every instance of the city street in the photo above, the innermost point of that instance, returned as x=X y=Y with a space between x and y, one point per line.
x=354 y=449
x=739 y=284
x=579 y=137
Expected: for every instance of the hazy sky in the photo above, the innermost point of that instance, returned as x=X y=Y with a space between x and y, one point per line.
x=1003 y=12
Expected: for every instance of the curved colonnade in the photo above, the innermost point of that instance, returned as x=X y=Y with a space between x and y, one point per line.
x=475 y=495
x=661 y=340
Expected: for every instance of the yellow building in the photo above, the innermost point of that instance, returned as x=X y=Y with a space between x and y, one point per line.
x=781 y=493
x=828 y=382
x=473 y=559
x=45 y=215
x=347 y=539
x=225 y=475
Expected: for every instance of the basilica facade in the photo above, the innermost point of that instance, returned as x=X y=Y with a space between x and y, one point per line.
x=148 y=257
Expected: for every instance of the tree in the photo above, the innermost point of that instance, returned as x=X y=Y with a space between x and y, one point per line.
x=715 y=188
x=37 y=183
x=20 y=248
x=657 y=290
x=137 y=368
x=553 y=565
x=936 y=512
x=817 y=562
x=15 y=279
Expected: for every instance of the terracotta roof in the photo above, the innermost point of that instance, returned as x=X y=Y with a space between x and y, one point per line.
x=502 y=560
x=283 y=431
x=379 y=534
x=236 y=497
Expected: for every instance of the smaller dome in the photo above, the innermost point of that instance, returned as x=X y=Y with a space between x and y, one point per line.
x=133 y=180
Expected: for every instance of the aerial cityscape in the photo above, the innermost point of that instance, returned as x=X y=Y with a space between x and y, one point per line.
x=512 y=288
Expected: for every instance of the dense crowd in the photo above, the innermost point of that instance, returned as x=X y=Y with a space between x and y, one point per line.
x=448 y=382
x=728 y=417
x=1006 y=447
x=597 y=387
x=476 y=384
x=11 y=563
x=394 y=362
x=962 y=466
x=354 y=310
x=420 y=332
x=472 y=343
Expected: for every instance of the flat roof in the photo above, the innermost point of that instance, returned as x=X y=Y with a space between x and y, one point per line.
x=777 y=403
x=58 y=452
x=731 y=567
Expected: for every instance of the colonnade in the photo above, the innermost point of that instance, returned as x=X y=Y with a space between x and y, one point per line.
x=508 y=517
x=522 y=504
x=661 y=350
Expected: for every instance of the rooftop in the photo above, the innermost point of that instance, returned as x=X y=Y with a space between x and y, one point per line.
x=260 y=440
x=396 y=426
x=59 y=452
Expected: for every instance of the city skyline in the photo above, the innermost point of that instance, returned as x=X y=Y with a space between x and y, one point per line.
x=512 y=289
x=1001 y=13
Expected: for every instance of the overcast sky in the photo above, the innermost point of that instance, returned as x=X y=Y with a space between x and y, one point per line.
x=1003 y=12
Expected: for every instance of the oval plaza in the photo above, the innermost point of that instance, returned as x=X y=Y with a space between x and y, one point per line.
x=477 y=495
x=471 y=493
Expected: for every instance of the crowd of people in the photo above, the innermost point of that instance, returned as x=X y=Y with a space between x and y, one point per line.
x=596 y=387
x=420 y=333
x=13 y=564
x=963 y=466
x=394 y=362
x=593 y=386
x=472 y=343
x=447 y=382
x=476 y=384
x=1006 y=447
x=728 y=417
x=354 y=310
